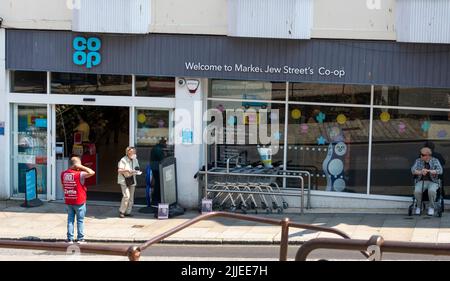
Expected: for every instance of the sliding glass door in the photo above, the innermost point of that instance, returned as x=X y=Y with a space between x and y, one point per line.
x=30 y=131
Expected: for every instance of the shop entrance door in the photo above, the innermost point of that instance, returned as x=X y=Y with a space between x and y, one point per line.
x=103 y=145
x=30 y=143
x=99 y=136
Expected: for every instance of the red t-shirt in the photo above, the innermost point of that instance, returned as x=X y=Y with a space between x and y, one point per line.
x=74 y=189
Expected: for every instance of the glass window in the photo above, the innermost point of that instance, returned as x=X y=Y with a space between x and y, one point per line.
x=29 y=82
x=91 y=84
x=155 y=86
x=331 y=143
x=414 y=97
x=252 y=90
x=152 y=126
x=330 y=93
x=253 y=133
x=29 y=150
x=398 y=136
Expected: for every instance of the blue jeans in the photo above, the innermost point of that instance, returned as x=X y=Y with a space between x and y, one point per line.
x=148 y=195
x=80 y=212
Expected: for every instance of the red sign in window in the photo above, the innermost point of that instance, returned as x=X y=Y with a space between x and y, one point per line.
x=90 y=161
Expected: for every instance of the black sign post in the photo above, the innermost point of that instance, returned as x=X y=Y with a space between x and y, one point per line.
x=31 y=193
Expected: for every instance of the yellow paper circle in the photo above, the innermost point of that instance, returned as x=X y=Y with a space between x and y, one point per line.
x=296 y=114
x=141 y=118
x=341 y=119
x=385 y=116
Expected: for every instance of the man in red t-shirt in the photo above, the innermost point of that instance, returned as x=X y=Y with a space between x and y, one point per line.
x=74 y=189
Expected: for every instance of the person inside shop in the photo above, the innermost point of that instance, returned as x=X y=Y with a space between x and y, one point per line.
x=128 y=168
x=75 y=195
x=113 y=125
x=426 y=169
x=156 y=156
x=83 y=128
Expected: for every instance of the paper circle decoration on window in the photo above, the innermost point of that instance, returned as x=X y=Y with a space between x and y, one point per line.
x=385 y=116
x=339 y=185
x=141 y=118
x=341 y=119
x=335 y=167
x=340 y=149
x=296 y=114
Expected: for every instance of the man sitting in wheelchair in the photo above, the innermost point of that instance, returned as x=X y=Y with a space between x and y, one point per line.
x=426 y=170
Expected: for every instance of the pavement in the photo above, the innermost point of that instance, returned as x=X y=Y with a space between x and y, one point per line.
x=102 y=224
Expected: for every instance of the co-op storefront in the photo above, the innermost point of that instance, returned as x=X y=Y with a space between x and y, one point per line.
x=371 y=104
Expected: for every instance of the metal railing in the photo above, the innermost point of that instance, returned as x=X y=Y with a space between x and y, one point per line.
x=371 y=249
x=282 y=174
x=375 y=246
x=134 y=252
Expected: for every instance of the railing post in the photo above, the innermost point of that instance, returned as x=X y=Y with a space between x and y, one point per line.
x=284 y=239
x=134 y=253
x=374 y=248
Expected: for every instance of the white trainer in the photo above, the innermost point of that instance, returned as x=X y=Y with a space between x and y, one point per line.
x=431 y=211
x=417 y=212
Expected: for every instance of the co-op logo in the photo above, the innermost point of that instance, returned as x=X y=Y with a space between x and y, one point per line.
x=87 y=51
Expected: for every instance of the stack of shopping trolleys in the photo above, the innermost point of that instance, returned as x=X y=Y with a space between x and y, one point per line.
x=246 y=188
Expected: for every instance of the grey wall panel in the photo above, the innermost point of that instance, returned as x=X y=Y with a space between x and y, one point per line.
x=425 y=21
x=115 y=16
x=364 y=62
x=290 y=19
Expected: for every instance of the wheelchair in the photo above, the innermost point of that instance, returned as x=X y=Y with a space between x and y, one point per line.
x=440 y=194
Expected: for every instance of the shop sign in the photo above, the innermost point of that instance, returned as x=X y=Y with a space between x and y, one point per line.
x=163 y=211
x=87 y=51
x=187 y=136
x=2 y=128
x=31 y=191
x=192 y=85
x=40 y=123
x=206 y=206
x=31 y=184
x=338 y=72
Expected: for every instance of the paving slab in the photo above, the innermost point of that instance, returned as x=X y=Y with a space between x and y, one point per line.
x=102 y=223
